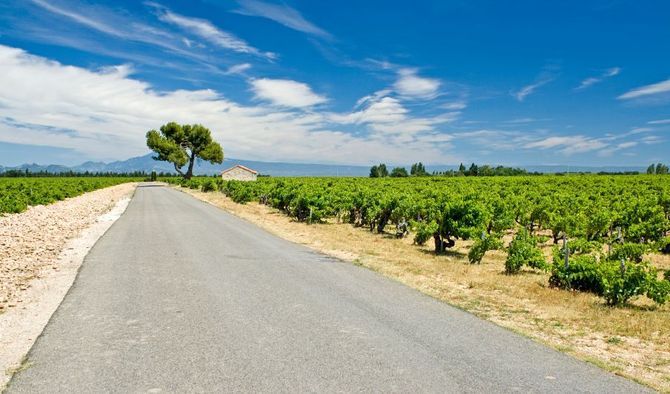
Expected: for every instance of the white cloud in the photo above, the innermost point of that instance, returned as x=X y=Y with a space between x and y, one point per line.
x=285 y=92
x=611 y=150
x=410 y=85
x=386 y=115
x=568 y=144
x=527 y=90
x=282 y=14
x=238 y=68
x=206 y=30
x=455 y=106
x=104 y=115
x=548 y=74
x=594 y=80
x=660 y=121
x=651 y=139
x=85 y=20
x=107 y=22
x=653 y=89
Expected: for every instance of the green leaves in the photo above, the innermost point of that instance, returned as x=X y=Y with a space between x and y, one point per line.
x=16 y=194
x=181 y=145
x=522 y=251
x=588 y=209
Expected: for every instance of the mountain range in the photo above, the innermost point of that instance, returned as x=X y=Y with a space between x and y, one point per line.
x=147 y=164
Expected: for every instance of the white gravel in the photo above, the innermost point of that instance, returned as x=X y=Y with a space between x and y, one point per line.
x=40 y=253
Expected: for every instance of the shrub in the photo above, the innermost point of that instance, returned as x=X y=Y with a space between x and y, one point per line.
x=522 y=251
x=581 y=273
x=663 y=245
x=606 y=279
x=209 y=186
x=629 y=251
x=619 y=286
x=424 y=231
x=481 y=246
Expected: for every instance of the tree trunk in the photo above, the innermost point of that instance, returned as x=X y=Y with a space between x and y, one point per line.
x=189 y=172
x=178 y=170
x=439 y=245
x=383 y=221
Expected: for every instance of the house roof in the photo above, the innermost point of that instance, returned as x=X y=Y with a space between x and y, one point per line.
x=242 y=167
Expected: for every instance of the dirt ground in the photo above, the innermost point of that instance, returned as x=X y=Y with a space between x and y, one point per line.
x=31 y=241
x=631 y=341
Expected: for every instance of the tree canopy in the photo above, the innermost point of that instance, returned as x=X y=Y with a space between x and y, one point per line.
x=183 y=144
x=379 y=171
x=399 y=172
x=658 y=169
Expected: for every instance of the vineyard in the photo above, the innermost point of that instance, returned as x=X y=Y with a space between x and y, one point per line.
x=602 y=228
x=17 y=194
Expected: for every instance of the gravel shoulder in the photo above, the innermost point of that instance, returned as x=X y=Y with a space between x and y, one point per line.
x=42 y=250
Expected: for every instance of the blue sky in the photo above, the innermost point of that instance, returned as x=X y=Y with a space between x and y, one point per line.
x=443 y=82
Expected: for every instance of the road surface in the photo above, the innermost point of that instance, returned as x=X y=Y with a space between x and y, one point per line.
x=179 y=296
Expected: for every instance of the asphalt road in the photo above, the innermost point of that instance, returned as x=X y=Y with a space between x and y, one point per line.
x=179 y=296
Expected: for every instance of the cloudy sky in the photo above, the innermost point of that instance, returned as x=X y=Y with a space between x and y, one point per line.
x=356 y=82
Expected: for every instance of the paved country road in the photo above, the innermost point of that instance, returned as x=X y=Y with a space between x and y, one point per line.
x=179 y=296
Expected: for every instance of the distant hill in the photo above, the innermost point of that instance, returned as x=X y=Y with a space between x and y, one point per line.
x=147 y=164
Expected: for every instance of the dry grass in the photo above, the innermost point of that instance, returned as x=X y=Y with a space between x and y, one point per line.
x=632 y=341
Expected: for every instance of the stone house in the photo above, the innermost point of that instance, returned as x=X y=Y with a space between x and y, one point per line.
x=239 y=173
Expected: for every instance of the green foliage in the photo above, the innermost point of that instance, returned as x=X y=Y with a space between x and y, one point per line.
x=209 y=186
x=483 y=245
x=17 y=194
x=424 y=231
x=618 y=286
x=418 y=169
x=581 y=274
x=399 y=172
x=379 y=171
x=629 y=251
x=609 y=280
x=523 y=251
x=183 y=144
x=663 y=245
x=658 y=169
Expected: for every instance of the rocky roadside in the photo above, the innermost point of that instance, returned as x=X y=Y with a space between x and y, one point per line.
x=40 y=253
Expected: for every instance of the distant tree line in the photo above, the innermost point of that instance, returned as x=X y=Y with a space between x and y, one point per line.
x=45 y=174
x=657 y=169
x=419 y=170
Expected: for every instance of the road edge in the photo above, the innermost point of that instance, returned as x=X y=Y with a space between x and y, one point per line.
x=601 y=364
x=20 y=327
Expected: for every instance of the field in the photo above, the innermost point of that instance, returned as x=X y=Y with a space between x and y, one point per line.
x=627 y=338
x=17 y=194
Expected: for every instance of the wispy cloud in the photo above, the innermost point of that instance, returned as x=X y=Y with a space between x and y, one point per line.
x=547 y=75
x=588 y=82
x=85 y=20
x=527 y=90
x=286 y=93
x=206 y=30
x=106 y=22
x=282 y=14
x=238 y=69
x=568 y=145
x=386 y=115
x=411 y=85
x=613 y=149
x=660 y=121
x=648 y=90
x=455 y=105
